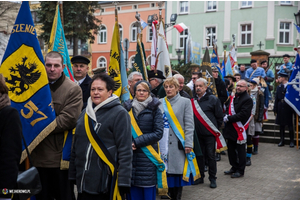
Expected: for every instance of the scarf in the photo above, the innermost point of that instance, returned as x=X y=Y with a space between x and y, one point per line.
x=4 y=100
x=139 y=106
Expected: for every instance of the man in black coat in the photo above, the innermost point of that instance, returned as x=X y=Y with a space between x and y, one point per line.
x=80 y=69
x=282 y=111
x=211 y=107
x=242 y=106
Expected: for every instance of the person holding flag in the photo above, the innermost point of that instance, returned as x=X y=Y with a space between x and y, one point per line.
x=237 y=119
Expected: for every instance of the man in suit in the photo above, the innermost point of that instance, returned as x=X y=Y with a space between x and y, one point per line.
x=80 y=69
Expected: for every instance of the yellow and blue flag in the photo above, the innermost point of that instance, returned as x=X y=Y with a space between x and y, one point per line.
x=125 y=91
x=58 y=43
x=215 y=61
x=114 y=64
x=25 y=75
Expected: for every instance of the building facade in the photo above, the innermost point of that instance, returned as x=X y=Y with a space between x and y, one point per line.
x=252 y=22
x=126 y=18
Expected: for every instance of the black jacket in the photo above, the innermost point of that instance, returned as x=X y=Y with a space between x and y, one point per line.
x=159 y=91
x=10 y=147
x=284 y=111
x=242 y=105
x=259 y=110
x=211 y=106
x=86 y=167
x=85 y=90
x=151 y=124
x=184 y=94
x=221 y=90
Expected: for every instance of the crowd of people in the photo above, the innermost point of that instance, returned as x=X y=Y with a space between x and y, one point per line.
x=165 y=137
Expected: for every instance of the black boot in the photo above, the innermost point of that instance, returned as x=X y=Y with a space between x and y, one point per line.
x=255 y=150
x=248 y=161
x=281 y=143
x=179 y=193
x=291 y=139
x=218 y=157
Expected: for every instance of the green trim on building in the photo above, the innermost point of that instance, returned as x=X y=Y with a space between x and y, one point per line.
x=243 y=60
x=170 y=48
x=269 y=44
x=285 y=48
x=245 y=50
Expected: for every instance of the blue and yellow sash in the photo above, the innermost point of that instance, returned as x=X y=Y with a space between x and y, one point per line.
x=153 y=156
x=105 y=156
x=67 y=147
x=190 y=163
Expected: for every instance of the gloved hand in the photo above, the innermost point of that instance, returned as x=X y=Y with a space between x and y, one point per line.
x=225 y=119
x=124 y=190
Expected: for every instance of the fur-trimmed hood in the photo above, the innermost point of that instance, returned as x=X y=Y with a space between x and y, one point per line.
x=153 y=105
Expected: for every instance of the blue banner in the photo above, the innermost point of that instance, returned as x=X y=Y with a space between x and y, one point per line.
x=215 y=62
x=292 y=96
x=228 y=68
x=125 y=91
x=25 y=75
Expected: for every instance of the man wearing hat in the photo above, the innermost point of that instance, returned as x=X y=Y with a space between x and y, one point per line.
x=287 y=66
x=156 y=80
x=232 y=80
x=80 y=68
x=282 y=111
x=254 y=71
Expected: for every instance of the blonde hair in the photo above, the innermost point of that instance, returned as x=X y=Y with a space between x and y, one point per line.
x=145 y=85
x=3 y=86
x=171 y=81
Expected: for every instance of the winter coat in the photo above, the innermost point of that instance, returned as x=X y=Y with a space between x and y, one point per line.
x=284 y=111
x=183 y=110
x=92 y=175
x=184 y=94
x=159 y=91
x=242 y=105
x=10 y=147
x=211 y=106
x=67 y=102
x=150 y=122
x=86 y=93
x=221 y=90
x=259 y=112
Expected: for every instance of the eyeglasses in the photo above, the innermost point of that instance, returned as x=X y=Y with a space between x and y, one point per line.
x=240 y=86
x=194 y=78
x=144 y=91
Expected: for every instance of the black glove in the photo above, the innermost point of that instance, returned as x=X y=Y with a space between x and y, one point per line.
x=124 y=190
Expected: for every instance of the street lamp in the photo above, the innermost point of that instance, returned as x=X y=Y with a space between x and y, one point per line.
x=178 y=52
x=173 y=19
x=297 y=18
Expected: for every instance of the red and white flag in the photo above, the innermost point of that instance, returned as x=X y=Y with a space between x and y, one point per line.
x=180 y=27
x=153 y=46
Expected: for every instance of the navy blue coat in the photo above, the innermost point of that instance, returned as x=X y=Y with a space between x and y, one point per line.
x=151 y=124
x=85 y=90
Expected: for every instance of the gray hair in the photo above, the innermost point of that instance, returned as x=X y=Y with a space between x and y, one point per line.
x=159 y=80
x=202 y=80
x=130 y=77
x=178 y=76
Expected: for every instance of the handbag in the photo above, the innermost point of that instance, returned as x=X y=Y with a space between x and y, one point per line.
x=29 y=180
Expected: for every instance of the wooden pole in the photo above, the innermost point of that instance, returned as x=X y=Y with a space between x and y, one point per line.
x=61 y=13
x=297 y=133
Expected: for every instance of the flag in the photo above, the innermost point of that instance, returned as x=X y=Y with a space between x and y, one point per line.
x=188 y=52
x=153 y=45
x=114 y=63
x=180 y=27
x=292 y=96
x=139 y=60
x=143 y=24
x=233 y=60
x=206 y=71
x=163 y=63
x=297 y=27
x=228 y=67
x=223 y=71
x=125 y=91
x=215 y=61
x=58 y=43
x=25 y=75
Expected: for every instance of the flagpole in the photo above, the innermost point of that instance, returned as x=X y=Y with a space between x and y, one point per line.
x=297 y=133
x=224 y=54
x=61 y=13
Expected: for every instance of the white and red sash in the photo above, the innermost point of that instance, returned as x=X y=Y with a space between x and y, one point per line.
x=265 y=113
x=201 y=116
x=239 y=127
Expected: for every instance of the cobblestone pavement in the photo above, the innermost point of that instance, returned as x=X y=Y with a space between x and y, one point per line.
x=274 y=174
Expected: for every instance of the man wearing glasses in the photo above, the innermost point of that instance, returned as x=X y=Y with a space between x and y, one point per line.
x=156 y=80
x=238 y=112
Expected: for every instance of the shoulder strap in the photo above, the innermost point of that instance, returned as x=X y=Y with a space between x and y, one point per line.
x=252 y=73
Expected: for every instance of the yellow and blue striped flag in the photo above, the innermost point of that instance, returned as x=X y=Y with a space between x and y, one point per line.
x=25 y=75
x=58 y=43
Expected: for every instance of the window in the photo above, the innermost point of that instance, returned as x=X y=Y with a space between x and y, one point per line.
x=211 y=5
x=134 y=32
x=135 y=6
x=132 y=60
x=182 y=37
x=246 y=4
x=285 y=3
x=183 y=6
x=102 y=10
x=284 y=32
x=102 y=62
x=246 y=34
x=211 y=34
x=121 y=32
x=150 y=34
x=102 y=35
x=119 y=8
x=152 y=5
x=35 y=17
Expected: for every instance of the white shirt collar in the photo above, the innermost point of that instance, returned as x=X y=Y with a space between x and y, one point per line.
x=80 y=81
